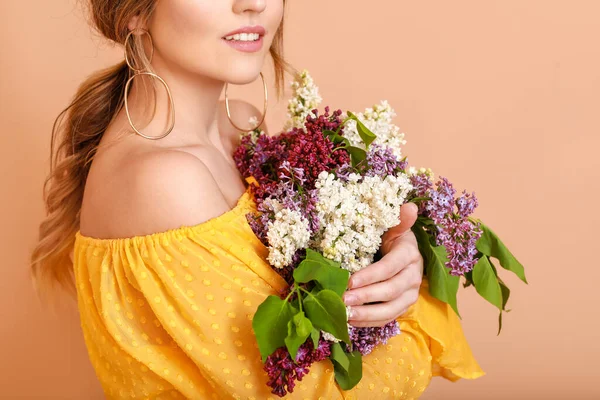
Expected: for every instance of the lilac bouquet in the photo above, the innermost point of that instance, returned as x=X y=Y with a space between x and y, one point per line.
x=327 y=188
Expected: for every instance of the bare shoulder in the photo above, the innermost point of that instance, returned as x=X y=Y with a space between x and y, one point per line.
x=155 y=192
x=241 y=111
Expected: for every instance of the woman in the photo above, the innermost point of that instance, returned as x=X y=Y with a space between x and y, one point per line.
x=167 y=271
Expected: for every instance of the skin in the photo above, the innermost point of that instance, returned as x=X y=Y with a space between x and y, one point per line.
x=191 y=56
x=201 y=130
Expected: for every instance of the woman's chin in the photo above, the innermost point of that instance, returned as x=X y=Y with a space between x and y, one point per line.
x=243 y=72
x=242 y=78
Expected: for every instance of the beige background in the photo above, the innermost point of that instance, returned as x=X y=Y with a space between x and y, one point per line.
x=501 y=97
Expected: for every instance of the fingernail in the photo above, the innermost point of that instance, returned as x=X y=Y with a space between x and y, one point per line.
x=352 y=283
x=349 y=299
x=350 y=312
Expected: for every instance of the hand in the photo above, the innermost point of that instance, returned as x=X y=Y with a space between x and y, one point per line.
x=392 y=282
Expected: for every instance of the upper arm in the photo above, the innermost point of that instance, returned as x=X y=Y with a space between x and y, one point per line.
x=165 y=190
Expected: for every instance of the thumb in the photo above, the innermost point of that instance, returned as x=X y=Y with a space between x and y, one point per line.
x=408 y=217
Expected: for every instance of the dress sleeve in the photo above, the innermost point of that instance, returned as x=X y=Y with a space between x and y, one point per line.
x=451 y=355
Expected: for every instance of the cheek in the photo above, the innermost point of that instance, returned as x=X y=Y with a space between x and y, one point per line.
x=271 y=19
x=186 y=28
x=275 y=10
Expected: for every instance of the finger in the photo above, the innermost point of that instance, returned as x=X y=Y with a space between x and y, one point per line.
x=408 y=217
x=398 y=258
x=381 y=323
x=384 y=311
x=385 y=290
x=365 y=324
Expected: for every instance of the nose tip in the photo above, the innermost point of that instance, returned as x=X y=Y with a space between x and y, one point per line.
x=250 y=5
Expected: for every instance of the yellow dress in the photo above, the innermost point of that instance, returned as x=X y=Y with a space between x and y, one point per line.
x=169 y=316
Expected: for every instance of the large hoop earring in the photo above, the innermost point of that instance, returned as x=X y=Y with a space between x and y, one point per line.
x=264 y=112
x=138 y=72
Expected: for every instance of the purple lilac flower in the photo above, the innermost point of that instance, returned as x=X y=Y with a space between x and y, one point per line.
x=259 y=159
x=422 y=185
x=342 y=172
x=283 y=372
x=291 y=175
x=286 y=194
x=454 y=230
x=366 y=338
x=442 y=200
x=381 y=161
x=310 y=209
x=466 y=204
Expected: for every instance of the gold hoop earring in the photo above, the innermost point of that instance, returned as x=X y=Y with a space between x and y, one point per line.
x=138 y=72
x=264 y=112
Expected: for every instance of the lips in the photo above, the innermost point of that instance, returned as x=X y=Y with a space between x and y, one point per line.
x=248 y=29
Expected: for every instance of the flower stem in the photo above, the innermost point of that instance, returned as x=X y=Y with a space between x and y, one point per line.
x=294 y=287
x=299 y=297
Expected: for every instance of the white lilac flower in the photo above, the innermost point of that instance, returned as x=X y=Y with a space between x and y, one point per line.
x=255 y=132
x=379 y=120
x=253 y=121
x=355 y=213
x=289 y=232
x=329 y=336
x=305 y=97
x=413 y=171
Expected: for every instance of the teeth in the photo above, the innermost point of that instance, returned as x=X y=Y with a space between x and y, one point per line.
x=244 y=37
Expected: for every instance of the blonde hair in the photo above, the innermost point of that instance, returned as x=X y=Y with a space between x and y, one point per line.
x=76 y=134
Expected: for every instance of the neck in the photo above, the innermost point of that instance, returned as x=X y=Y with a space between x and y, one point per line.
x=195 y=100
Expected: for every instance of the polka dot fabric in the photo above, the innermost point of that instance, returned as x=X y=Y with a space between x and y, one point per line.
x=169 y=316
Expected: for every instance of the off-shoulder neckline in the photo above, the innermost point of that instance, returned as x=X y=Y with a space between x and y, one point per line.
x=241 y=206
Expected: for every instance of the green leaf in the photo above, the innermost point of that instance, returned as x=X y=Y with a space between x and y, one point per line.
x=327 y=311
x=365 y=133
x=490 y=245
x=425 y=221
x=333 y=136
x=486 y=282
x=336 y=138
x=499 y=323
x=322 y=270
x=295 y=303
x=503 y=288
x=419 y=199
x=338 y=354
x=315 y=334
x=270 y=324
x=348 y=378
x=505 y=295
x=357 y=155
x=316 y=288
x=442 y=285
x=316 y=256
x=299 y=328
